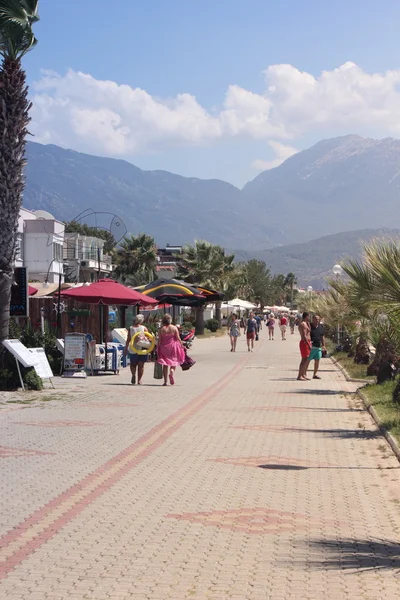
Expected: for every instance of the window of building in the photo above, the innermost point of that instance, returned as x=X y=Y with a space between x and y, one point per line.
x=57 y=252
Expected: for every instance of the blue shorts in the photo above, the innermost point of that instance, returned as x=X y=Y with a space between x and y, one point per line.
x=315 y=354
x=137 y=358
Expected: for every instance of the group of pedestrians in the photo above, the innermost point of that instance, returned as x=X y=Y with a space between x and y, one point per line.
x=312 y=345
x=170 y=350
x=251 y=328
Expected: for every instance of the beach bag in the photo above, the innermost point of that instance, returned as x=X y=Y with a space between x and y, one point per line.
x=158 y=371
x=187 y=363
x=143 y=342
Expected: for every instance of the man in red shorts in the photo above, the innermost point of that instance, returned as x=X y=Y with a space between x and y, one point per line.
x=305 y=346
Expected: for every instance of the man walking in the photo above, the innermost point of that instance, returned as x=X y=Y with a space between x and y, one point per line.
x=305 y=346
x=251 y=330
x=317 y=344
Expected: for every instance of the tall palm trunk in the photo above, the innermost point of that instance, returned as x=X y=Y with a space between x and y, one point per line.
x=199 y=323
x=218 y=315
x=14 y=119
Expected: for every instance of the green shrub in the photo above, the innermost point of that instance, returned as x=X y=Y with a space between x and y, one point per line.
x=31 y=338
x=32 y=380
x=212 y=325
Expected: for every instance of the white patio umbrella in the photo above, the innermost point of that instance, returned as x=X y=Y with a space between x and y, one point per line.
x=237 y=302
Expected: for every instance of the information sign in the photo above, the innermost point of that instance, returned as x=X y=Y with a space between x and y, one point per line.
x=74 y=348
x=19 y=304
x=42 y=366
x=20 y=352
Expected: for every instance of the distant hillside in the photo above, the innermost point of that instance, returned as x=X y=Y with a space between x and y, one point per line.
x=172 y=208
x=312 y=261
x=337 y=185
x=340 y=184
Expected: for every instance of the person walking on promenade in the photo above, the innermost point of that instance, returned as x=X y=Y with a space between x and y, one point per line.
x=234 y=331
x=283 y=327
x=292 y=322
x=317 y=344
x=136 y=361
x=251 y=330
x=271 y=326
x=170 y=350
x=305 y=346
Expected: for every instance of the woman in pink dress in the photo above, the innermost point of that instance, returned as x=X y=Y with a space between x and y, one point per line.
x=170 y=351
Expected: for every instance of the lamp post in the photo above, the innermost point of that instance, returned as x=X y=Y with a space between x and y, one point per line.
x=337 y=271
x=46 y=285
x=310 y=290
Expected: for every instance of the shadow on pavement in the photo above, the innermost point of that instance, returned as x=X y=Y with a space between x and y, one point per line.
x=359 y=554
x=273 y=467
x=137 y=386
x=342 y=433
x=318 y=392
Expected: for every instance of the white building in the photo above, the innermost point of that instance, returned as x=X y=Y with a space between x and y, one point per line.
x=40 y=241
x=84 y=258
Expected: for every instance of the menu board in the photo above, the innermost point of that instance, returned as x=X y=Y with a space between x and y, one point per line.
x=74 y=351
x=20 y=352
x=30 y=357
x=42 y=366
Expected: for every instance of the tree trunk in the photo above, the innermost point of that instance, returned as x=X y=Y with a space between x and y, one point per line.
x=199 y=324
x=384 y=353
x=362 y=355
x=218 y=316
x=5 y=297
x=14 y=119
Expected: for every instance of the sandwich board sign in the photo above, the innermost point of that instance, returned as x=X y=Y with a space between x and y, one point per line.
x=42 y=366
x=29 y=357
x=74 y=355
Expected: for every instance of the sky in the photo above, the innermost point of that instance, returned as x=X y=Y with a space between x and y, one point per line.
x=213 y=88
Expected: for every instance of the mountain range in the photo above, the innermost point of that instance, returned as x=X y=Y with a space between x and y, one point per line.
x=338 y=185
x=313 y=261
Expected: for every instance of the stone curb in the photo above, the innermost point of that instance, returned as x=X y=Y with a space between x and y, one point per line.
x=387 y=435
x=345 y=373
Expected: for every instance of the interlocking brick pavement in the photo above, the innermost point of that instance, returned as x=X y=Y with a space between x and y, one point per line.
x=157 y=501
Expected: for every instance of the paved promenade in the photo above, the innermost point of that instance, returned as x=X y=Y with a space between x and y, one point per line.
x=237 y=483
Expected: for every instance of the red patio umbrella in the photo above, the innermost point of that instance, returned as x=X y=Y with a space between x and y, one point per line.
x=108 y=292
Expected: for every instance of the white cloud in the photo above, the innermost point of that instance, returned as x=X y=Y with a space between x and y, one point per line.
x=103 y=117
x=282 y=152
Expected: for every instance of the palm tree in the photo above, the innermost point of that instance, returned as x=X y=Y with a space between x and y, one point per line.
x=207 y=265
x=290 y=282
x=136 y=259
x=16 y=39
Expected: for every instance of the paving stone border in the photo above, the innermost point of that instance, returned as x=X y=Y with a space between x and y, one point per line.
x=368 y=407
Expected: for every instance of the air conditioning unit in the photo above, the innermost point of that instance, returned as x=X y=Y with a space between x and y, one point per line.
x=84 y=263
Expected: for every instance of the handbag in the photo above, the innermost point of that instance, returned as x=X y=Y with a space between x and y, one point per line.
x=143 y=342
x=187 y=363
x=158 y=371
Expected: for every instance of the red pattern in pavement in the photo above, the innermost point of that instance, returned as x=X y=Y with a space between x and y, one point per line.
x=60 y=423
x=249 y=520
x=10 y=452
x=86 y=491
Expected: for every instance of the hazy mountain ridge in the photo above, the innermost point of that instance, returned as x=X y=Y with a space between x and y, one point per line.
x=341 y=184
x=173 y=208
x=312 y=261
